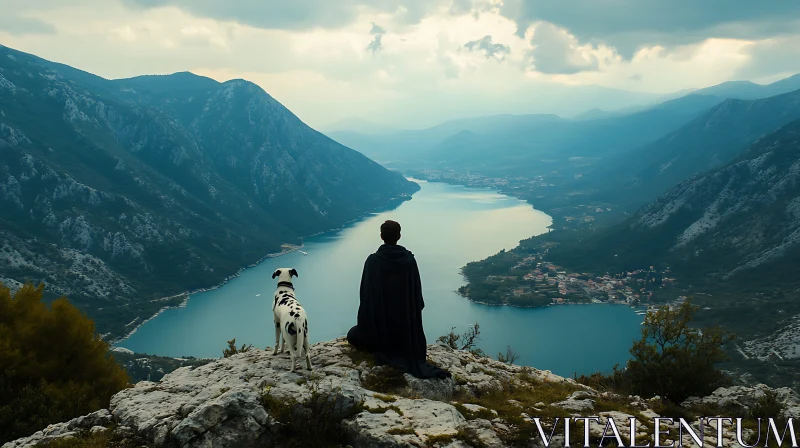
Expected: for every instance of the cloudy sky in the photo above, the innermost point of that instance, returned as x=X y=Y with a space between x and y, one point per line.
x=413 y=63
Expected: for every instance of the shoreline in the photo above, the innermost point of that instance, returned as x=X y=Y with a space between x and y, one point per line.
x=186 y=294
x=291 y=248
x=546 y=306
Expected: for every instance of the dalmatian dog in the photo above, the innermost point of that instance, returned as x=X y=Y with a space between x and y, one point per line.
x=290 y=319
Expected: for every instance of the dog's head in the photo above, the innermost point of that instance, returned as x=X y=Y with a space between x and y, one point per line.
x=284 y=274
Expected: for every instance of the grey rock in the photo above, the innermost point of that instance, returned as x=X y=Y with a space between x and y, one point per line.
x=579 y=401
x=484 y=431
x=743 y=398
x=432 y=389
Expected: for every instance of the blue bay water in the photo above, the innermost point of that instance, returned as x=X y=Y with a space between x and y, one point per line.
x=445 y=226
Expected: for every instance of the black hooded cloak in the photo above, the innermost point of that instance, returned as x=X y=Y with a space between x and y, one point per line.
x=390 y=313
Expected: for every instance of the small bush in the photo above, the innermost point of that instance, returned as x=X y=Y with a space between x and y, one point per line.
x=54 y=366
x=767 y=406
x=316 y=423
x=466 y=341
x=232 y=350
x=509 y=357
x=615 y=382
x=674 y=360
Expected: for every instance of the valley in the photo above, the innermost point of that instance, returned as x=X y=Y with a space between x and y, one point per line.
x=131 y=195
x=725 y=238
x=126 y=194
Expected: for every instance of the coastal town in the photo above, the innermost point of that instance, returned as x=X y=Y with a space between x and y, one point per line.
x=529 y=280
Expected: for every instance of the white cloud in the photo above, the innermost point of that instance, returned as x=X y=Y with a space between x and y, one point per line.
x=556 y=51
x=420 y=73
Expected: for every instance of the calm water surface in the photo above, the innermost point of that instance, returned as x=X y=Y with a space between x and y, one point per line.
x=445 y=226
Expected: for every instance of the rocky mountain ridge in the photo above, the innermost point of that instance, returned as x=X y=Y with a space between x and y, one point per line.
x=707 y=142
x=119 y=193
x=252 y=399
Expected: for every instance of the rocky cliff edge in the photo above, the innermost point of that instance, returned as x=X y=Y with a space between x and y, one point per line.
x=252 y=399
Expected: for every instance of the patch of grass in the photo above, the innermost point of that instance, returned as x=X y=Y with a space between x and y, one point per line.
x=101 y=440
x=472 y=415
x=358 y=357
x=460 y=380
x=383 y=409
x=440 y=439
x=401 y=431
x=617 y=403
x=470 y=437
x=315 y=423
x=386 y=398
x=527 y=390
x=86 y=439
x=387 y=380
x=466 y=435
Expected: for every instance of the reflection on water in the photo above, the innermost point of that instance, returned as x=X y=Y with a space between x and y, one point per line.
x=445 y=227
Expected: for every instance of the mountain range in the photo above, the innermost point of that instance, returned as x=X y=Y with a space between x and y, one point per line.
x=706 y=142
x=741 y=220
x=516 y=144
x=118 y=193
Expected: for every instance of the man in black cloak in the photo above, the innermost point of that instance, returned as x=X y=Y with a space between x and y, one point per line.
x=390 y=313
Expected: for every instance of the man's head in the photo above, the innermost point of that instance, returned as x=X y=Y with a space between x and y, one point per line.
x=390 y=232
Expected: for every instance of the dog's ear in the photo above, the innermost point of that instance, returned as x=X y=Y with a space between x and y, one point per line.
x=293 y=272
x=276 y=273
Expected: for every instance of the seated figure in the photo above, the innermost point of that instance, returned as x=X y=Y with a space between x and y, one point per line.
x=390 y=313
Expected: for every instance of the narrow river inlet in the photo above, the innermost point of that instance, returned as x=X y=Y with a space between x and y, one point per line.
x=446 y=227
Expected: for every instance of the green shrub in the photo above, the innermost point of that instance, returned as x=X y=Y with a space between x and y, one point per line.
x=616 y=382
x=232 y=350
x=315 y=423
x=673 y=360
x=54 y=366
x=767 y=406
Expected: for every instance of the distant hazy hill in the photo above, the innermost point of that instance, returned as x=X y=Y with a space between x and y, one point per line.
x=709 y=141
x=739 y=221
x=119 y=192
x=506 y=144
x=749 y=90
x=355 y=124
x=409 y=145
x=595 y=114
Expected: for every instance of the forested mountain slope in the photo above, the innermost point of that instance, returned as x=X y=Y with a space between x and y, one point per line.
x=117 y=193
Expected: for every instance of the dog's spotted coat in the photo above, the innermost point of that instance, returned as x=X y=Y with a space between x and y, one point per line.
x=290 y=319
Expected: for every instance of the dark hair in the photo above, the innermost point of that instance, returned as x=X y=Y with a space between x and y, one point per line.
x=390 y=231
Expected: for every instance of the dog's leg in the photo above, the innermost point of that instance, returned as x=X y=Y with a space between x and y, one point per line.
x=277 y=338
x=292 y=357
x=308 y=355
